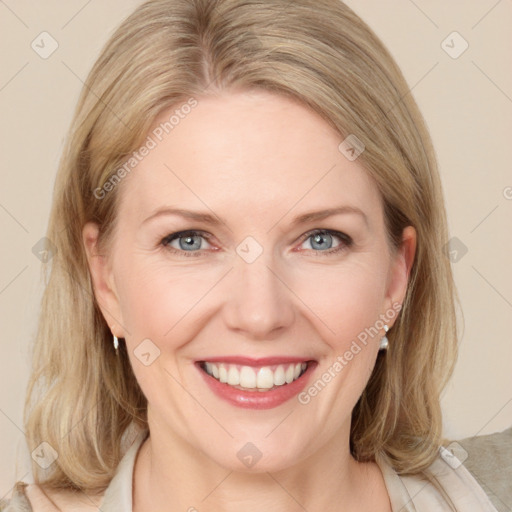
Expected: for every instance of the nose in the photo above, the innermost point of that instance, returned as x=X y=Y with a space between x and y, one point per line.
x=260 y=304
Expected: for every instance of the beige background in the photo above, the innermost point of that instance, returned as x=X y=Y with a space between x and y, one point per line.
x=467 y=103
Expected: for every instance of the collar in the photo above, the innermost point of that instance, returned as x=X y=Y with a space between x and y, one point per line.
x=118 y=495
x=406 y=493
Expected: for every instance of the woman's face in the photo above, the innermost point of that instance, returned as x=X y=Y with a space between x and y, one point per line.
x=265 y=274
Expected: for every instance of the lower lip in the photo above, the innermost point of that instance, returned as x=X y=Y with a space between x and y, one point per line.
x=258 y=399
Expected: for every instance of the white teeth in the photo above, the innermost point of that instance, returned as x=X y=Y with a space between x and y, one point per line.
x=262 y=378
x=265 y=378
x=247 y=377
x=223 y=373
x=289 y=374
x=233 y=376
x=279 y=378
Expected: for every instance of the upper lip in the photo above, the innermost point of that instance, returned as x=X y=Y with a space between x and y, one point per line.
x=262 y=361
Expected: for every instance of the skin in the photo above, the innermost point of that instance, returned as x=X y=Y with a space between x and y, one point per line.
x=257 y=161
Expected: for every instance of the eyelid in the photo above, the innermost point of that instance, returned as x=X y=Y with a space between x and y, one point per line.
x=346 y=240
x=166 y=241
x=333 y=232
x=193 y=232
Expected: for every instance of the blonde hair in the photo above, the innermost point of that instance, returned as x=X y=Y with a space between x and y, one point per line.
x=81 y=396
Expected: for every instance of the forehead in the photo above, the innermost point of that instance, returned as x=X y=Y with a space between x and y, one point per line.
x=245 y=153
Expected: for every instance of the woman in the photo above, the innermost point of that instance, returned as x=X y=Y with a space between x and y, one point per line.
x=249 y=304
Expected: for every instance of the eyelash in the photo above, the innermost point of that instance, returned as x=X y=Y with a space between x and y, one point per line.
x=345 y=240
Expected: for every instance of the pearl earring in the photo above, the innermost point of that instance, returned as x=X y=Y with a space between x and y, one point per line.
x=384 y=343
x=116 y=342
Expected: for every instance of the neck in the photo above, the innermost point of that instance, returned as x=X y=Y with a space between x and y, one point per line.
x=170 y=474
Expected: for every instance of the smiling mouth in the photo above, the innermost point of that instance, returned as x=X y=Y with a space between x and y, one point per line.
x=249 y=378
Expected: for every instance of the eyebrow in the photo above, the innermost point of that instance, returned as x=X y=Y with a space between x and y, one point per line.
x=323 y=214
x=214 y=220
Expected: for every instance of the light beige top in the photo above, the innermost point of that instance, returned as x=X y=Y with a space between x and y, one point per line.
x=407 y=493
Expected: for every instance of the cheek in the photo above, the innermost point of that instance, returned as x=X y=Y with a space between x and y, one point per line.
x=155 y=296
x=347 y=302
x=347 y=299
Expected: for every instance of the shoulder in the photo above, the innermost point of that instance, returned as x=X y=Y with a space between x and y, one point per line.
x=18 y=502
x=34 y=498
x=467 y=474
x=489 y=459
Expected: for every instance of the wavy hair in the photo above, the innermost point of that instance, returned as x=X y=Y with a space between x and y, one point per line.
x=82 y=397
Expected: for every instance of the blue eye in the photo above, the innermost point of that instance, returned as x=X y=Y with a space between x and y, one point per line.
x=190 y=243
x=322 y=239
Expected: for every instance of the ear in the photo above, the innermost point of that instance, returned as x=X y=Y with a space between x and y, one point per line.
x=102 y=279
x=401 y=265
